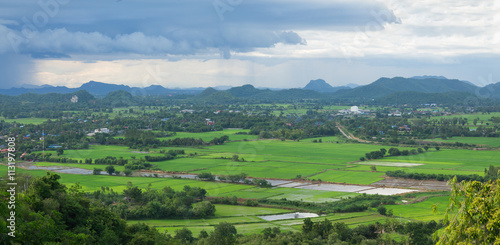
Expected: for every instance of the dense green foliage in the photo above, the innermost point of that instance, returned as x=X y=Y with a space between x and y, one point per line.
x=50 y=213
x=439 y=177
x=136 y=203
x=478 y=218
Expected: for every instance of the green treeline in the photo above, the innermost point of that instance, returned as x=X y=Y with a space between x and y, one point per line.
x=490 y=174
x=396 y=129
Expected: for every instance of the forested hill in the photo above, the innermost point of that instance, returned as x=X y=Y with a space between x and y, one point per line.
x=384 y=91
x=81 y=96
x=386 y=86
x=100 y=90
x=418 y=98
x=322 y=86
x=248 y=93
x=418 y=90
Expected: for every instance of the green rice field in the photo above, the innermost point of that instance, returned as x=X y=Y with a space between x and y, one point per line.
x=330 y=161
x=207 y=136
x=275 y=159
x=35 y=121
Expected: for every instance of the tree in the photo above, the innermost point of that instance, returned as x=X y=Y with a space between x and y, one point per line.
x=307 y=226
x=383 y=150
x=373 y=168
x=478 y=218
x=97 y=171
x=382 y=210
x=323 y=228
x=203 y=209
x=203 y=234
x=235 y=158
x=206 y=176
x=110 y=169
x=394 y=152
x=437 y=148
x=224 y=234
x=60 y=151
x=185 y=235
x=134 y=193
x=127 y=172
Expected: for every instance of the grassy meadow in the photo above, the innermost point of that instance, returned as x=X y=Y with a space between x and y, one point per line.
x=207 y=136
x=35 y=121
x=275 y=159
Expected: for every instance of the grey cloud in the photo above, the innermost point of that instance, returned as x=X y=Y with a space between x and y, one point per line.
x=183 y=27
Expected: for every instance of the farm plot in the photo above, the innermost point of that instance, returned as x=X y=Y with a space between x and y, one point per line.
x=31 y=120
x=102 y=151
x=190 y=164
x=207 y=136
x=289 y=151
x=76 y=165
x=422 y=210
x=383 y=169
x=271 y=169
x=463 y=160
x=351 y=177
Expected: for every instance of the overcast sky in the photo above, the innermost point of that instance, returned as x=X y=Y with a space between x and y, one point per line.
x=267 y=43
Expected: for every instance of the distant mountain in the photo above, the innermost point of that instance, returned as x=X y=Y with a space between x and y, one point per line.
x=98 y=89
x=45 y=89
x=384 y=89
x=120 y=98
x=207 y=92
x=250 y=93
x=82 y=97
x=245 y=91
x=490 y=91
x=102 y=89
x=438 y=77
x=386 y=86
x=427 y=77
x=322 y=86
x=352 y=85
x=418 y=98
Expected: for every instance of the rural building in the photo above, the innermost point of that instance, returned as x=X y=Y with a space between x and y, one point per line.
x=101 y=131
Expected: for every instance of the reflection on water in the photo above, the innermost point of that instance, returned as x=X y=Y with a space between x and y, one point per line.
x=288 y=216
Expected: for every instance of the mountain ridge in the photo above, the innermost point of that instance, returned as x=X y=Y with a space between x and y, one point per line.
x=320 y=85
x=317 y=89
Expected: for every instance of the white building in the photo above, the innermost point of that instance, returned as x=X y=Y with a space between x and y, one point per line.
x=102 y=131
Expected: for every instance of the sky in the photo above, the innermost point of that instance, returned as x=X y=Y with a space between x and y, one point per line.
x=266 y=43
